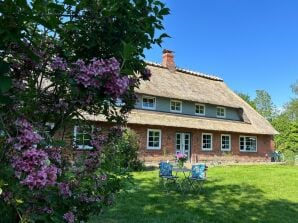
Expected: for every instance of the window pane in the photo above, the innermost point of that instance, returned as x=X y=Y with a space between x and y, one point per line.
x=153 y=139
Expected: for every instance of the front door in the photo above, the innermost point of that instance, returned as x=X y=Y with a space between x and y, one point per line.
x=183 y=143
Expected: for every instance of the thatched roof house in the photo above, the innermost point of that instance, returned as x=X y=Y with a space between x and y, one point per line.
x=180 y=104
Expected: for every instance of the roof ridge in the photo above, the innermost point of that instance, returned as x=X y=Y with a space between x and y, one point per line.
x=208 y=76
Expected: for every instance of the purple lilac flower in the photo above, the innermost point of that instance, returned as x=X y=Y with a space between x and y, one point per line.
x=55 y=154
x=26 y=138
x=58 y=64
x=36 y=165
x=69 y=217
x=47 y=176
x=97 y=140
x=146 y=74
x=116 y=86
x=64 y=189
x=99 y=71
x=92 y=160
x=30 y=160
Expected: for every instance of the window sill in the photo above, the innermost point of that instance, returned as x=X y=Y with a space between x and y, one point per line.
x=150 y=148
x=80 y=147
x=175 y=111
x=207 y=150
x=148 y=108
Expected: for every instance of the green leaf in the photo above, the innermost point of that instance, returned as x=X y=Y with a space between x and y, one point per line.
x=0 y=191
x=5 y=83
x=4 y=99
x=164 y=35
x=19 y=201
x=128 y=50
x=4 y=67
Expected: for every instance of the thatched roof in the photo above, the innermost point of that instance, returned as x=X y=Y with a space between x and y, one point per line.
x=197 y=87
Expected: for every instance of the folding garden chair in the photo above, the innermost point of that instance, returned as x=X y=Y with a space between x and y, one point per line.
x=198 y=176
x=166 y=175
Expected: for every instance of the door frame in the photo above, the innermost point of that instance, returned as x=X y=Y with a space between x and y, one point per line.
x=182 y=145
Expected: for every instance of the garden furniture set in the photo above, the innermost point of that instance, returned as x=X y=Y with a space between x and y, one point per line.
x=182 y=178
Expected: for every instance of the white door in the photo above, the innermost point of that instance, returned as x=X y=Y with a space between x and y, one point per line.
x=183 y=143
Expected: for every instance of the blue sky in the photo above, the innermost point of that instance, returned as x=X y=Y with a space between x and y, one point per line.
x=251 y=44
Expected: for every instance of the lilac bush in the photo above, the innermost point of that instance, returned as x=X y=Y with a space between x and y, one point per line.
x=56 y=67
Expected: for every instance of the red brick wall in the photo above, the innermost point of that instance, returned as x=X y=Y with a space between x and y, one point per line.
x=264 y=145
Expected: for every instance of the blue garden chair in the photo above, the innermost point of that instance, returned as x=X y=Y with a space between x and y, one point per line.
x=166 y=175
x=198 y=176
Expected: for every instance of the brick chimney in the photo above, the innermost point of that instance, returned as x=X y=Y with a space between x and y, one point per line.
x=168 y=60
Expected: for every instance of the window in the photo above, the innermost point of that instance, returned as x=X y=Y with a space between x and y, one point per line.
x=82 y=137
x=48 y=127
x=176 y=106
x=206 y=141
x=248 y=144
x=149 y=102
x=200 y=109
x=153 y=139
x=225 y=142
x=119 y=102
x=220 y=112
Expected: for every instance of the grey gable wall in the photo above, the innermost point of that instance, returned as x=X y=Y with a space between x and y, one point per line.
x=188 y=108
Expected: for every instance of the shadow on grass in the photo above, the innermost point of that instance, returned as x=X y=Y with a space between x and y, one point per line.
x=148 y=202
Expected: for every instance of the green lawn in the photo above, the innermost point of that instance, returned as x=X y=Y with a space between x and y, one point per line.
x=231 y=194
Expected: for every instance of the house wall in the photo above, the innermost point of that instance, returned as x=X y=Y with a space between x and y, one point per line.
x=265 y=145
x=188 y=108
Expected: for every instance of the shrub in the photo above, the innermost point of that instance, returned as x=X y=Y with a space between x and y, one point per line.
x=128 y=146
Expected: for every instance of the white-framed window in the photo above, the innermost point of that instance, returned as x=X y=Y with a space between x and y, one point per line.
x=119 y=102
x=200 y=109
x=220 y=112
x=82 y=138
x=176 y=106
x=207 y=141
x=225 y=142
x=248 y=143
x=48 y=127
x=153 y=139
x=149 y=102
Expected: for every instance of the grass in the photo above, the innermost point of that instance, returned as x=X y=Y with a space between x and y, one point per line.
x=232 y=194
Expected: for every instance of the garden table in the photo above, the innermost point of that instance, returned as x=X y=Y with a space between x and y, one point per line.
x=185 y=176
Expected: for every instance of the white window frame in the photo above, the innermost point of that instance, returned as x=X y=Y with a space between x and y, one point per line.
x=176 y=101
x=80 y=147
x=224 y=110
x=153 y=147
x=199 y=109
x=248 y=151
x=119 y=102
x=211 y=143
x=221 y=142
x=149 y=97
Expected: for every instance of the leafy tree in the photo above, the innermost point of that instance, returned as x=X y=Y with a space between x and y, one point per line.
x=287 y=125
x=247 y=98
x=295 y=88
x=60 y=61
x=264 y=104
